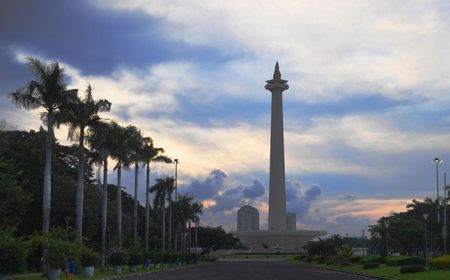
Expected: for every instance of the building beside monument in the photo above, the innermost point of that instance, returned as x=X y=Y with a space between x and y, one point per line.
x=247 y=218
x=291 y=221
x=281 y=233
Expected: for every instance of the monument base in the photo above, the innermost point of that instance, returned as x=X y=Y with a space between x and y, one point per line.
x=277 y=240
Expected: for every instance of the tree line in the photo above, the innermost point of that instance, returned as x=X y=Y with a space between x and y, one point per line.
x=30 y=159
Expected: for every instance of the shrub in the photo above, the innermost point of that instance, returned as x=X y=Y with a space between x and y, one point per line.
x=89 y=257
x=118 y=257
x=61 y=250
x=413 y=268
x=355 y=259
x=404 y=260
x=371 y=265
x=13 y=253
x=442 y=262
x=135 y=258
x=377 y=259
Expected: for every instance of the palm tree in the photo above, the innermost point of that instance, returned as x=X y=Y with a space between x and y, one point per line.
x=101 y=142
x=120 y=152
x=150 y=154
x=47 y=92
x=197 y=209
x=162 y=188
x=183 y=210
x=136 y=144
x=80 y=114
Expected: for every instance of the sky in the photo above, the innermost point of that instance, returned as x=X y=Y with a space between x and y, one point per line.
x=367 y=110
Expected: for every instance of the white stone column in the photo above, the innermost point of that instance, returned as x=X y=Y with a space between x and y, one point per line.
x=277 y=192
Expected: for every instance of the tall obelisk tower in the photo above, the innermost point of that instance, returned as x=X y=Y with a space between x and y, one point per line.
x=277 y=192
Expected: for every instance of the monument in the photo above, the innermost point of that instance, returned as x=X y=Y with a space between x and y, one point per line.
x=278 y=236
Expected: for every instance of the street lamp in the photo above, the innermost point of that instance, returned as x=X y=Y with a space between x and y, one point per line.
x=425 y=217
x=437 y=161
x=176 y=183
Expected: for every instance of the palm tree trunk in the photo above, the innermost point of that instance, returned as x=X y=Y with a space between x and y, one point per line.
x=47 y=189
x=196 y=235
x=135 y=213
x=104 y=210
x=80 y=185
x=176 y=239
x=119 y=204
x=190 y=236
x=163 y=235
x=147 y=205
x=170 y=220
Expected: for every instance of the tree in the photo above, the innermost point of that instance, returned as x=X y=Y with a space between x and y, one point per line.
x=80 y=114
x=150 y=154
x=47 y=92
x=161 y=189
x=101 y=141
x=136 y=144
x=121 y=153
x=196 y=211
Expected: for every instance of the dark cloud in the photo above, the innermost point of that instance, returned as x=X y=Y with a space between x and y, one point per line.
x=303 y=200
x=347 y=197
x=255 y=190
x=207 y=188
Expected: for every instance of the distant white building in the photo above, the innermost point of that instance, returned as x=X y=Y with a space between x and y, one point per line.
x=247 y=218
x=291 y=221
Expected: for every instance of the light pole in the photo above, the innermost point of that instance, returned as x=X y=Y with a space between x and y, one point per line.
x=176 y=198
x=425 y=217
x=437 y=161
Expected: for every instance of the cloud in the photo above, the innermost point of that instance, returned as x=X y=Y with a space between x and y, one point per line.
x=207 y=188
x=300 y=198
x=256 y=190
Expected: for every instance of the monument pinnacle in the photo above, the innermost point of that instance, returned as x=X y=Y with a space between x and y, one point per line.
x=276 y=72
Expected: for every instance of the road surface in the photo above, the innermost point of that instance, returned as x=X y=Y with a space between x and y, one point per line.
x=250 y=270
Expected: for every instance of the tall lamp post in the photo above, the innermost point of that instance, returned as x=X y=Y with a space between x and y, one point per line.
x=176 y=198
x=425 y=217
x=437 y=161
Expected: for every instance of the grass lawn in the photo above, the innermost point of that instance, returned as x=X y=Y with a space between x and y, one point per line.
x=392 y=272
x=100 y=274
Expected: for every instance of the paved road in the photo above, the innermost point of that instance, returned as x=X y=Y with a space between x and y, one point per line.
x=250 y=270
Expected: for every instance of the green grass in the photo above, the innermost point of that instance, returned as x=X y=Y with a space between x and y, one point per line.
x=100 y=274
x=392 y=272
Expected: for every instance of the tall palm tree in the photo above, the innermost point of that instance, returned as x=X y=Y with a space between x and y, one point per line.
x=197 y=210
x=101 y=142
x=79 y=115
x=121 y=153
x=150 y=154
x=136 y=143
x=161 y=189
x=183 y=210
x=48 y=92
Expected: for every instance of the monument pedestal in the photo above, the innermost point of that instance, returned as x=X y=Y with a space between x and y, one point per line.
x=278 y=240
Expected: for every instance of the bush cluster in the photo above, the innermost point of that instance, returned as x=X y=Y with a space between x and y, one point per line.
x=371 y=265
x=376 y=259
x=442 y=262
x=89 y=257
x=355 y=259
x=413 y=268
x=135 y=258
x=404 y=260
x=118 y=257
x=13 y=253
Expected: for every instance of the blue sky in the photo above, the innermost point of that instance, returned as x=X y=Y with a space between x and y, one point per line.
x=367 y=108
